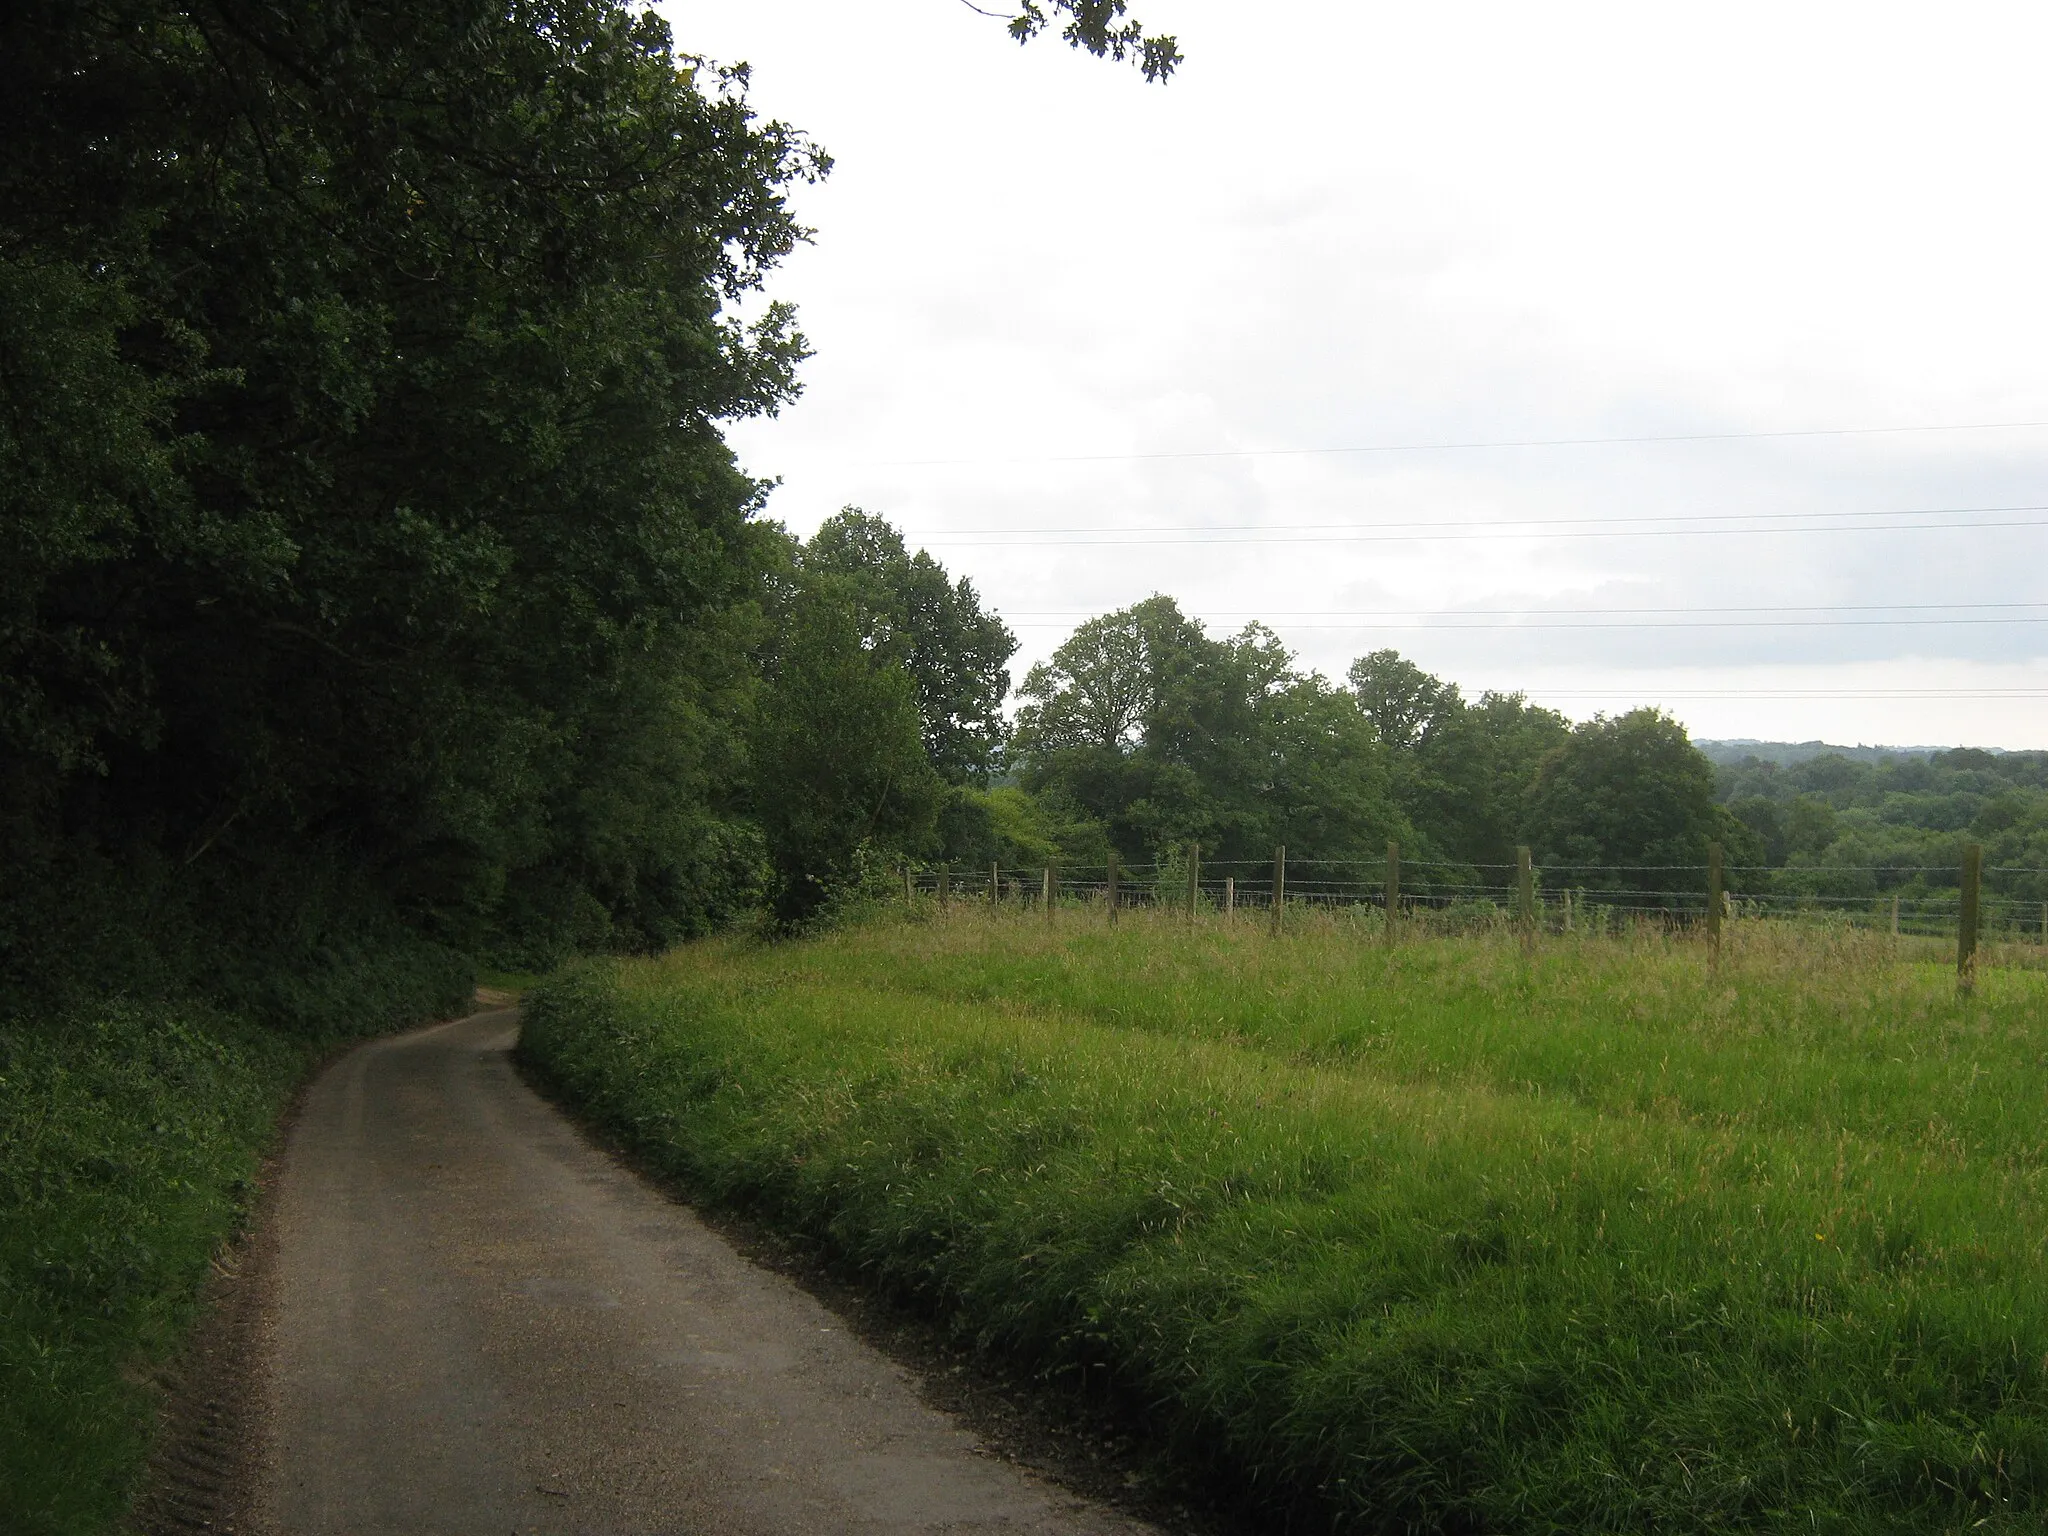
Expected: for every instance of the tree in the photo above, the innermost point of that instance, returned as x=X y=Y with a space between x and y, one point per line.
x=957 y=654
x=838 y=762
x=1509 y=740
x=1323 y=788
x=1106 y=684
x=1405 y=704
x=1629 y=801
x=1092 y=730
x=1460 y=772
x=1765 y=819
x=360 y=457
x=1145 y=723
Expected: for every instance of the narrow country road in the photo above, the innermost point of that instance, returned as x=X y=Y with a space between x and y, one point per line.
x=483 y=1324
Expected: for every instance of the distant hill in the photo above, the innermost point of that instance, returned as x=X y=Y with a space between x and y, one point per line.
x=1785 y=753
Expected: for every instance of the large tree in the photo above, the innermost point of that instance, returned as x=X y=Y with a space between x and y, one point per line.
x=1144 y=722
x=840 y=777
x=360 y=463
x=1628 y=802
x=956 y=652
x=363 y=497
x=1461 y=771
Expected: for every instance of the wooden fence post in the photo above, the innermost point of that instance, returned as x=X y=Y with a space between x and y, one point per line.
x=1966 y=927
x=945 y=885
x=995 y=886
x=1895 y=914
x=1112 y=888
x=1049 y=889
x=1230 y=897
x=1391 y=917
x=1714 y=904
x=1279 y=884
x=906 y=883
x=1525 y=898
x=1194 y=878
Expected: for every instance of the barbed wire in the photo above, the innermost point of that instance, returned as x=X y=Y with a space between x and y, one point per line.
x=1163 y=887
x=1030 y=879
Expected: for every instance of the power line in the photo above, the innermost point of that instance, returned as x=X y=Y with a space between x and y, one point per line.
x=1532 y=529
x=1434 y=525
x=1633 y=624
x=1633 y=690
x=1410 y=613
x=1459 y=447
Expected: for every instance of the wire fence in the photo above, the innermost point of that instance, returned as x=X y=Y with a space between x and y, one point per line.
x=1925 y=901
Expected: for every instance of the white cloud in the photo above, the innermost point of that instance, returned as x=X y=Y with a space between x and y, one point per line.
x=1357 y=224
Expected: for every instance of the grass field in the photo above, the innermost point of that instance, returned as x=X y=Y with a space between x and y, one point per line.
x=1420 y=1238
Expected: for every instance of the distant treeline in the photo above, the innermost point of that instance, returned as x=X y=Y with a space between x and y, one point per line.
x=1838 y=826
x=1142 y=733
x=1786 y=753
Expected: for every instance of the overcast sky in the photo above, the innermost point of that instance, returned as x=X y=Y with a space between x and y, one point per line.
x=1086 y=339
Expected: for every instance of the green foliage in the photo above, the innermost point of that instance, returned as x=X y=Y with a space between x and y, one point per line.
x=128 y=1142
x=957 y=655
x=1102 y=28
x=839 y=765
x=1420 y=1238
x=1015 y=829
x=362 y=474
x=1142 y=722
x=1632 y=790
x=1842 y=826
x=1462 y=773
x=314 y=951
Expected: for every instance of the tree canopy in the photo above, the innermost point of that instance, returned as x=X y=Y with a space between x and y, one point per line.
x=1630 y=791
x=361 y=480
x=1462 y=773
x=1143 y=722
x=1836 y=826
x=957 y=653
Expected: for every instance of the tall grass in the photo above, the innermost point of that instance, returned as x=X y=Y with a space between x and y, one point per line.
x=1421 y=1237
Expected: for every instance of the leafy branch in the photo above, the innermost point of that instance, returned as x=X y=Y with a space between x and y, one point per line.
x=1100 y=26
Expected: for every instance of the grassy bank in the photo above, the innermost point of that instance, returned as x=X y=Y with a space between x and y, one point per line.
x=1415 y=1239
x=130 y=1135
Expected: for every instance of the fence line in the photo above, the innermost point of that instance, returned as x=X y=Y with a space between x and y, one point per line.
x=1310 y=885
x=1733 y=869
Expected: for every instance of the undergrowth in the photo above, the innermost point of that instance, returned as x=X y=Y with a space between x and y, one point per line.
x=1425 y=1238
x=130 y=1136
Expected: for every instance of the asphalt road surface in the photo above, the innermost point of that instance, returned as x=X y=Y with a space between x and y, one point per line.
x=482 y=1324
